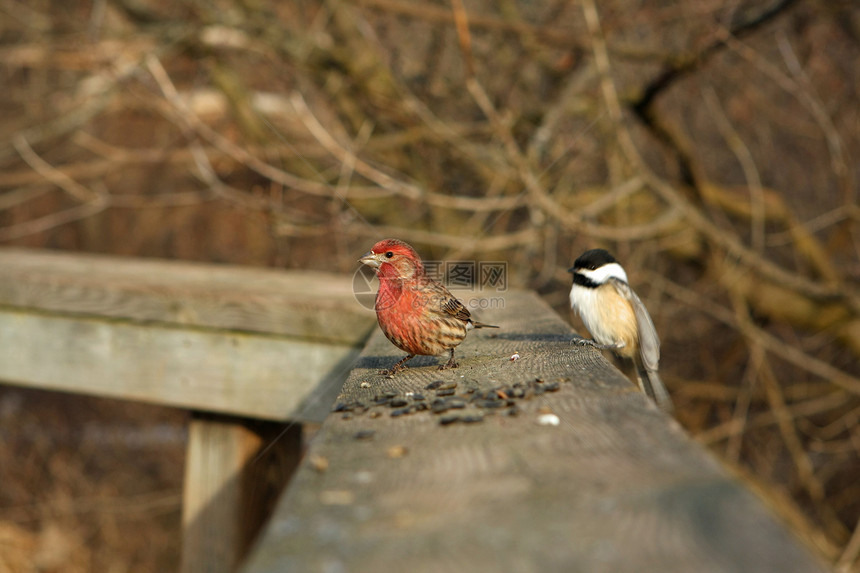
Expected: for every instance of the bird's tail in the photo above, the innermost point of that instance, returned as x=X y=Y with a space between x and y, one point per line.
x=652 y=385
x=476 y=324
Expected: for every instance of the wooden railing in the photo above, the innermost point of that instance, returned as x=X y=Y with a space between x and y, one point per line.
x=534 y=455
x=230 y=344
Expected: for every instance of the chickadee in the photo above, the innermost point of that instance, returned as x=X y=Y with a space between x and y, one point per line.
x=617 y=319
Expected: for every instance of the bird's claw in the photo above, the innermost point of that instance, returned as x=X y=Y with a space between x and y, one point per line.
x=448 y=365
x=592 y=343
x=390 y=372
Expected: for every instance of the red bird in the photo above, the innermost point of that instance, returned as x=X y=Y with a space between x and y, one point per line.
x=416 y=313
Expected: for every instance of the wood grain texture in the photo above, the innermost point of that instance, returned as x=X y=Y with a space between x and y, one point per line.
x=240 y=373
x=303 y=304
x=263 y=343
x=616 y=486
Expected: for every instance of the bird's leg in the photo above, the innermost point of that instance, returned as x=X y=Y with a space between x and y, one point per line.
x=397 y=367
x=451 y=362
x=589 y=342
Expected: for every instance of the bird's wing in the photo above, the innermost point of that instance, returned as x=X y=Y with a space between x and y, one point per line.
x=649 y=342
x=446 y=303
x=457 y=309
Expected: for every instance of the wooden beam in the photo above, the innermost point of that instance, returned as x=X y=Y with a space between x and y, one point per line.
x=238 y=373
x=554 y=462
x=263 y=343
x=306 y=305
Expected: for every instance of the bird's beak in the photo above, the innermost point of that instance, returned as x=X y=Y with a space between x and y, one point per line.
x=370 y=260
x=571 y=270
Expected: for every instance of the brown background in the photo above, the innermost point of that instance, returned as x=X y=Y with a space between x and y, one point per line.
x=711 y=145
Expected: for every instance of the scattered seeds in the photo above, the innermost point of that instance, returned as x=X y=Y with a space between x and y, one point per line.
x=337 y=497
x=344 y=407
x=439 y=406
x=396 y=451
x=474 y=402
x=548 y=420
x=319 y=463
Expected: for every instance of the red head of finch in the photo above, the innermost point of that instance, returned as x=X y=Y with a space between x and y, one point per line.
x=416 y=313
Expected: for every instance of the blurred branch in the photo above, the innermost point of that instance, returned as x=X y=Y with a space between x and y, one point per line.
x=788 y=353
x=344 y=156
x=53 y=175
x=745 y=158
x=688 y=63
x=851 y=553
x=737 y=426
x=51 y=221
x=431 y=13
x=744 y=398
x=15 y=197
x=807 y=95
x=190 y=123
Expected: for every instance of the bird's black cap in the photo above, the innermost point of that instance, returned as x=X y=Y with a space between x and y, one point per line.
x=593 y=259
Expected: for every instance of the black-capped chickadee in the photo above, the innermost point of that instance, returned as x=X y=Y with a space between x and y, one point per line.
x=617 y=319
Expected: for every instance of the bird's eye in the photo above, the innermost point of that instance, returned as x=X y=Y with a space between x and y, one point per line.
x=389 y=254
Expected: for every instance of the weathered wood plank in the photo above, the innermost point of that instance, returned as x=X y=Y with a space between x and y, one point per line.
x=256 y=342
x=240 y=373
x=303 y=304
x=616 y=486
x=233 y=467
x=212 y=497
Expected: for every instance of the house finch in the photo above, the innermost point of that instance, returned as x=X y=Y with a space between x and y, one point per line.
x=416 y=313
x=617 y=319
